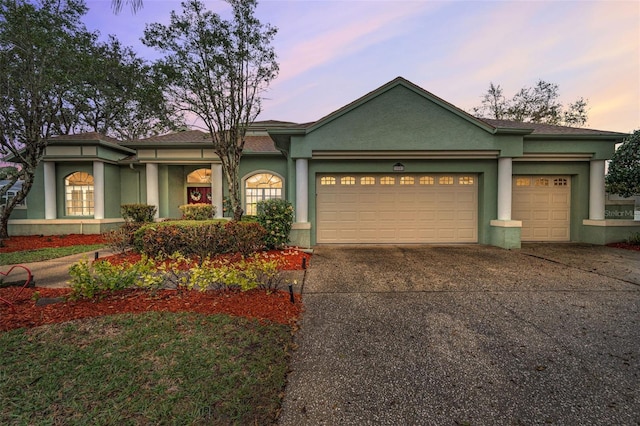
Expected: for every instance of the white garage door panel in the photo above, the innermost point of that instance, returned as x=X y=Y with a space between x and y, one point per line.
x=416 y=211
x=543 y=204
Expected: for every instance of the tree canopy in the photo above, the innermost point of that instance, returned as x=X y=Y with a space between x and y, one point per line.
x=58 y=79
x=623 y=176
x=217 y=70
x=537 y=104
x=120 y=95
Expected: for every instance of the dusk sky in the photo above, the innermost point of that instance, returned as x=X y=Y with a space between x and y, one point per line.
x=332 y=52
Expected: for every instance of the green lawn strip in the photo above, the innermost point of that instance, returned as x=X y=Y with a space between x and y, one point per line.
x=45 y=254
x=151 y=368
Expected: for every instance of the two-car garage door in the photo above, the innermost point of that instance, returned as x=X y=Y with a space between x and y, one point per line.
x=432 y=208
x=411 y=208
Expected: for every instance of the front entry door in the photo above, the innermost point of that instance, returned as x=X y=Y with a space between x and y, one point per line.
x=199 y=195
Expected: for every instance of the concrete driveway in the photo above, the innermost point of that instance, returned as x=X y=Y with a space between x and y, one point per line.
x=456 y=335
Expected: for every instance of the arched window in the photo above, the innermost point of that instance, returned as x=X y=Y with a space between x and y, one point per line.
x=78 y=190
x=199 y=176
x=258 y=187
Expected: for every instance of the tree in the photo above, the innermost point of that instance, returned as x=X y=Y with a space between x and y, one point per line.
x=7 y=172
x=57 y=79
x=623 y=176
x=217 y=70
x=118 y=4
x=38 y=56
x=537 y=104
x=120 y=95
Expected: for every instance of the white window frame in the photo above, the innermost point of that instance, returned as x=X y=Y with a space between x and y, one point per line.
x=84 y=197
x=261 y=193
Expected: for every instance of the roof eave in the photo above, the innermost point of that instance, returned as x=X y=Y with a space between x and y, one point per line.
x=607 y=137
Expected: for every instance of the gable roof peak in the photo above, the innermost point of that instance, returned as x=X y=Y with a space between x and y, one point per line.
x=401 y=81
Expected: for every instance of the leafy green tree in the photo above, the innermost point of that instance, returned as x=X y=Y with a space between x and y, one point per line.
x=7 y=172
x=623 y=176
x=217 y=70
x=57 y=79
x=39 y=46
x=537 y=104
x=120 y=95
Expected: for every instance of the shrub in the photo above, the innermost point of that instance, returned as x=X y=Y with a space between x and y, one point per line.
x=198 y=211
x=245 y=237
x=634 y=239
x=248 y=274
x=200 y=238
x=92 y=279
x=123 y=238
x=89 y=280
x=162 y=239
x=276 y=216
x=138 y=213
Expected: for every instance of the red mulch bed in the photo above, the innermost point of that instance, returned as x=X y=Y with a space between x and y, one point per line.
x=35 y=242
x=625 y=246
x=290 y=259
x=258 y=304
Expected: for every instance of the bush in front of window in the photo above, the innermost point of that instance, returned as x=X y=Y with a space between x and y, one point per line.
x=199 y=211
x=276 y=216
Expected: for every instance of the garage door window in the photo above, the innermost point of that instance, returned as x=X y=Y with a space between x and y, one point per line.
x=445 y=180
x=560 y=182
x=407 y=180
x=327 y=180
x=387 y=180
x=523 y=181
x=367 y=180
x=348 y=180
x=427 y=180
x=541 y=182
x=465 y=180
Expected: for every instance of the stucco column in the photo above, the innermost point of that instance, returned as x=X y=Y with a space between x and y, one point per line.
x=596 y=190
x=302 y=190
x=505 y=179
x=216 y=188
x=98 y=190
x=153 y=194
x=50 y=208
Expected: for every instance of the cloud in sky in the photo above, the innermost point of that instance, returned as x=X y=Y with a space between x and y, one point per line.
x=332 y=52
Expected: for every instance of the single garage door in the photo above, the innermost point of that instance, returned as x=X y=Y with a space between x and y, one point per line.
x=413 y=208
x=543 y=204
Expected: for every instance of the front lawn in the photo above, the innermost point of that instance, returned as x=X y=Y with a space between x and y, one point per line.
x=28 y=256
x=150 y=368
x=36 y=248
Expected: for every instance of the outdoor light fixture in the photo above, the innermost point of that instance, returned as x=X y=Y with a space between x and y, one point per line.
x=398 y=167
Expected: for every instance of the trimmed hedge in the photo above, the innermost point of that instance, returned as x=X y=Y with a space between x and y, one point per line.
x=200 y=238
x=138 y=213
x=198 y=211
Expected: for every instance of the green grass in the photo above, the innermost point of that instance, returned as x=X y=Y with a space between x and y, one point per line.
x=152 y=368
x=45 y=254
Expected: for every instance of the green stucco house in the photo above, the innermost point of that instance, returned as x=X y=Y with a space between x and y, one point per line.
x=397 y=166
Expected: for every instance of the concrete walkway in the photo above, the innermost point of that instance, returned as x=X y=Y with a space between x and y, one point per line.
x=52 y=273
x=477 y=335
